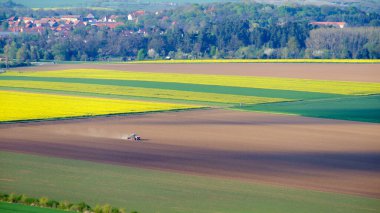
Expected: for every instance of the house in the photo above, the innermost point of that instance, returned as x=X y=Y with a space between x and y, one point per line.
x=28 y=20
x=134 y=15
x=13 y=18
x=103 y=19
x=89 y=18
x=329 y=24
x=29 y=25
x=112 y=18
x=139 y=13
x=53 y=23
x=79 y=24
x=130 y=17
x=14 y=23
x=71 y=18
x=44 y=22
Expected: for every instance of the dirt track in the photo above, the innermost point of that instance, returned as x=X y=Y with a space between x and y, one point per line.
x=342 y=72
x=327 y=155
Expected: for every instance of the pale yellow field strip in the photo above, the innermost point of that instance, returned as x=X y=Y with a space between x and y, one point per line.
x=307 y=85
x=16 y=106
x=200 y=61
x=140 y=92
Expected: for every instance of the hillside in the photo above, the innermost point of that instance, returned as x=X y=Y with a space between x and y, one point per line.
x=368 y=5
x=113 y=4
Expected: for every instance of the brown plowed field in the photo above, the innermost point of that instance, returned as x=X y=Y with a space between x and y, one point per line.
x=321 y=154
x=341 y=72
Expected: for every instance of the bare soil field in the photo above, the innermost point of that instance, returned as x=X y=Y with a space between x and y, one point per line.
x=341 y=72
x=318 y=154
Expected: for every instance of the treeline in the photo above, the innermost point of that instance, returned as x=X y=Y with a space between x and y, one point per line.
x=63 y=205
x=344 y=43
x=230 y=30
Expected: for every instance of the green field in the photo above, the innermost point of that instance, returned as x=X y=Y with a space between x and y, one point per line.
x=155 y=191
x=360 y=108
x=12 y=208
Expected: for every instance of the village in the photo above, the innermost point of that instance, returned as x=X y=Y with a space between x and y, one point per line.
x=66 y=23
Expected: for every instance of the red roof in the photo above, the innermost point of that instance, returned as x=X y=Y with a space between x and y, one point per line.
x=113 y=17
x=328 y=23
x=139 y=12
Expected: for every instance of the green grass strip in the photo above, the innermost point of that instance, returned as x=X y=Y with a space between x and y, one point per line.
x=14 y=207
x=156 y=191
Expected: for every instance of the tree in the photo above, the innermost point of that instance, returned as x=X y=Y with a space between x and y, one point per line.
x=152 y=54
x=34 y=55
x=22 y=54
x=4 y=26
x=12 y=51
x=59 y=51
x=349 y=42
x=292 y=47
x=141 y=55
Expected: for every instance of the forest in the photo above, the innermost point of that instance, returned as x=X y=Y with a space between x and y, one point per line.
x=216 y=30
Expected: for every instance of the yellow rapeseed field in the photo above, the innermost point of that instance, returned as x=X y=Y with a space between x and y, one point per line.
x=307 y=85
x=140 y=92
x=15 y=106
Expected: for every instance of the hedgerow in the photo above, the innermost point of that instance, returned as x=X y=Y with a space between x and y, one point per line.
x=63 y=205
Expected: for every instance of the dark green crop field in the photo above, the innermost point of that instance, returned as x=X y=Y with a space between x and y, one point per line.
x=13 y=208
x=357 y=108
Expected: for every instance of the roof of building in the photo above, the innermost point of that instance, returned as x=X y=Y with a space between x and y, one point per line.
x=327 y=23
x=90 y=16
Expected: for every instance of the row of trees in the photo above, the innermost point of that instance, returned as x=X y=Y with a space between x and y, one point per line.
x=209 y=31
x=63 y=205
x=345 y=43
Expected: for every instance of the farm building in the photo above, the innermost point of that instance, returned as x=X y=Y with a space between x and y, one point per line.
x=330 y=24
x=71 y=18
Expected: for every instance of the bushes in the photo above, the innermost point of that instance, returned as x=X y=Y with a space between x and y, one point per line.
x=64 y=205
x=43 y=201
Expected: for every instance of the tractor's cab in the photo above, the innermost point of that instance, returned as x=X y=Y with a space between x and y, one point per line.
x=134 y=137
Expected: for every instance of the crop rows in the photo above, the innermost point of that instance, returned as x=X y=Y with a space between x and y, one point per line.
x=306 y=85
x=141 y=92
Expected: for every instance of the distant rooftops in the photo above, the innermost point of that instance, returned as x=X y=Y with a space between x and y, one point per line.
x=329 y=24
x=90 y=16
